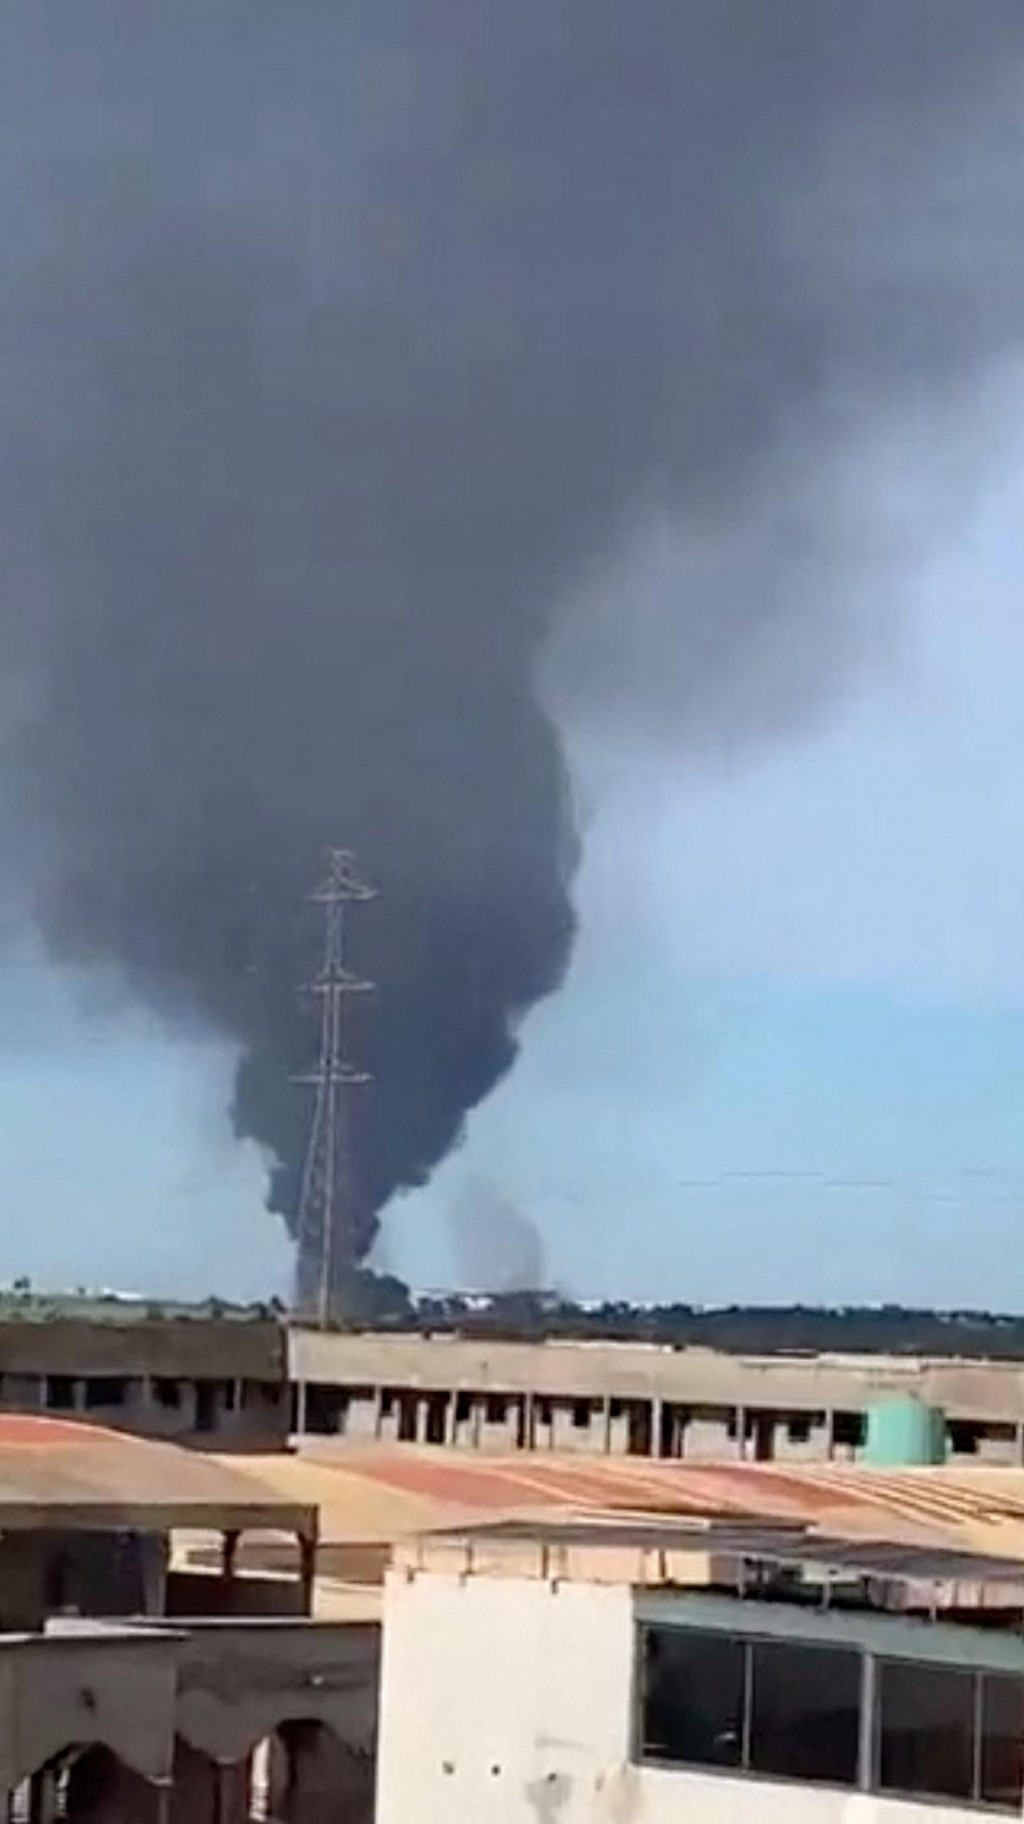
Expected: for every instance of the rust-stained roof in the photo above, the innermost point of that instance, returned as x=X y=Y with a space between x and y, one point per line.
x=388 y=1492
x=70 y=1474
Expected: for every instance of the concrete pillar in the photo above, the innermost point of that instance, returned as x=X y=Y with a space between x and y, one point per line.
x=741 y=1433
x=378 y=1411
x=228 y=1559
x=476 y=1422
x=307 y=1573
x=42 y=1798
x=300 y=1408
x=868 y=1710
x=830 y=1434
x=657 y=1413
x=155 y=1560
x=528 y=1422
x=1018 y=1440
x=451 y=1420
x=232 y=1792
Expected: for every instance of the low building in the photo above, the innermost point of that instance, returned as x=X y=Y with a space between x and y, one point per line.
x=135 y=1690
x=252 y=1381
x=632 y=1670
x=165 y=1377
x=637 y=1399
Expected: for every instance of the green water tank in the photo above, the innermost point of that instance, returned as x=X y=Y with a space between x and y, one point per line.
x=904 y=1431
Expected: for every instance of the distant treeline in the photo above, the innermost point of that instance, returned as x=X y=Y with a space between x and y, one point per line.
x=375 y=1301
x=382 y=1302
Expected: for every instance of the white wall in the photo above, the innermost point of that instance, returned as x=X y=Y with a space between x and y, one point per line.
x=509 y=1701
x=500 y=1698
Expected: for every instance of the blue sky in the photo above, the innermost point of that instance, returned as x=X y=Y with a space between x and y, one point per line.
x=789 y=1059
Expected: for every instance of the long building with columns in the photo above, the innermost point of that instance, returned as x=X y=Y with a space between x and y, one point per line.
x=257 y=1384
x=637 y=1399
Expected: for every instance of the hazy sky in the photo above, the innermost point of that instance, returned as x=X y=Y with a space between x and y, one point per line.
x=789 y=1061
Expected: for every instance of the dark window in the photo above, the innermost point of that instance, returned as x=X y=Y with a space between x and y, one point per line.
x=326 y=1407
x=1002 y=1735
x=798 y=1430
x=849 y=1429
x=792 y=1711
x=207 y=1405
x=105 y=1390
x=805 y=1712
x=463 y=1408
x=925 y=1730
x=543 y=1410
x=963 y=1437
x=497 y=1409
x=437 y=1417
x=581 y=1415
x=167 y=1393
x=692 y=1697
x=60 y=1392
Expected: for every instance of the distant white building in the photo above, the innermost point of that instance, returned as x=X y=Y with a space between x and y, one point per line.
x=617 y=1675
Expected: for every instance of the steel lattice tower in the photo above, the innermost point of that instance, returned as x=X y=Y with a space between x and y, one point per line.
x=325 y=1225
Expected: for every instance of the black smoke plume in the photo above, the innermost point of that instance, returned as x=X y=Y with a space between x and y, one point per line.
x=337 y=343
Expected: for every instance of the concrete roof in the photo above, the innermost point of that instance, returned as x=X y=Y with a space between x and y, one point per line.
x=382 y=1493
x=67 y=1474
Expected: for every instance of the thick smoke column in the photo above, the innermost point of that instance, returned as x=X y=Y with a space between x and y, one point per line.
x=338 y=342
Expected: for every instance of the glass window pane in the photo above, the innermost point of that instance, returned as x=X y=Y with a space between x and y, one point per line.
x=692 y=1697
x=805 y=1716
x=1002 y=1736
x=926 y=1730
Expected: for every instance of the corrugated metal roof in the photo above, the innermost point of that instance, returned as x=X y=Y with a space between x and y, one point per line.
x=881 y=1559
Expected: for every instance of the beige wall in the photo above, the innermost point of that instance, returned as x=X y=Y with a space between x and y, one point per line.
x=194 y=1347
x=701 y=1377
x=58 y=1691
x=238 y=1681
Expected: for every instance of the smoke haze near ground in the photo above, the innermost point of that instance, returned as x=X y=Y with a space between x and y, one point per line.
x=343 y=352
x=497 y=1246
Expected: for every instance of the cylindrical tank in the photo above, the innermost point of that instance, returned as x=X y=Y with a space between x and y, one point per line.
x=905 y=1431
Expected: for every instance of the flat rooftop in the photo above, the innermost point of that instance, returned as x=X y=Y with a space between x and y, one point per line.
x=379 y=1493
x=68 y=1474
x=753 y=1561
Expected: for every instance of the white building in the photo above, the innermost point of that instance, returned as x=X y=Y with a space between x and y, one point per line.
x=637 y=1673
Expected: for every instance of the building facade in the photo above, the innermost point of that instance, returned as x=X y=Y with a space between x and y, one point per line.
x=254 y=1384
x=637 y=1399
x=132 y=1692
x=557 y=1696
